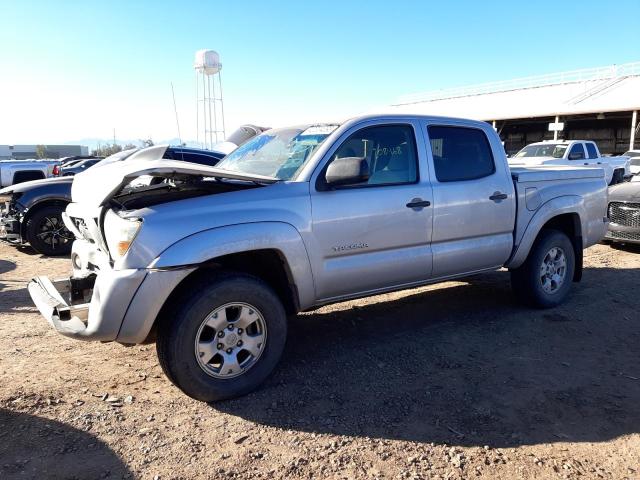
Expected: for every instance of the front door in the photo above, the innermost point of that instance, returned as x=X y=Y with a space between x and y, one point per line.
x=374 y=234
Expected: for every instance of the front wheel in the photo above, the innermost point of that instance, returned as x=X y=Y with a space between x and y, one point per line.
x=222 y=339
x=544 y=280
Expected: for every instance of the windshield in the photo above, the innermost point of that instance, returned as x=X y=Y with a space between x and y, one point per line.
x=121 y=155
x=278 y=153
x=631 y=154
x=555 y=150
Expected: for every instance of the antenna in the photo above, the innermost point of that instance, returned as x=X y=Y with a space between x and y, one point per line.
x=175 y=109
x=207 y=65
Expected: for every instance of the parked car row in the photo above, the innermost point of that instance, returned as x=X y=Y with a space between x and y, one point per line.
x=31 y=212
x=18 y=171
x=209 y=260
x=623 y=208
x=68 y=169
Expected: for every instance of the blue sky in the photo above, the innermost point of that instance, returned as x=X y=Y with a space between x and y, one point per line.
x=72 y=70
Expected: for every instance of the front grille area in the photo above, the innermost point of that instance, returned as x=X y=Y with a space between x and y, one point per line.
x=631 y=236
x=82 y=228
x=627 y=214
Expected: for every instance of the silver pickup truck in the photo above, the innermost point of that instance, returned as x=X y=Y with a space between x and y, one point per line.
x=209 y=261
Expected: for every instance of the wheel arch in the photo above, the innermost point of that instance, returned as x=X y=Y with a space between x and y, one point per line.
x=274 y=252
x=566 y=214
x=37 y=207
x=268 y=265
x=244 y=245
x=569 y=224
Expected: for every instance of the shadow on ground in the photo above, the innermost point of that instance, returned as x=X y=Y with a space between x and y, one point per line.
x=7 y=266
x=34 y=447
x=464 y=365
x=626 y=247
x=12 y=299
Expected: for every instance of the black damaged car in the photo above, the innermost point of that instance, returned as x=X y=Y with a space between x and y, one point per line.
x=31 y=212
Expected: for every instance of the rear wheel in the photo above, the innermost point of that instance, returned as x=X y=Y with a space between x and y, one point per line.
x=544 y=280
x=223 y=339
x=618 y=177
x=46 y=232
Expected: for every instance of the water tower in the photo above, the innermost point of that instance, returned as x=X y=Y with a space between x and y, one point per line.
x=209 y=107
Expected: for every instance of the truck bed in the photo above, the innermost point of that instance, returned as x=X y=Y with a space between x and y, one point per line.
x=542 y=187
x=541 y=173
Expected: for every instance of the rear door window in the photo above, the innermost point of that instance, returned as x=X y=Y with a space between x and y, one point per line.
x=460 y=153
x=576 y=152
x=591 y=148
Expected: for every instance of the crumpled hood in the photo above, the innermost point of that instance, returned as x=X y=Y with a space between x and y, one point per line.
x=625 y=192
x=26 y=186
x=99 y=184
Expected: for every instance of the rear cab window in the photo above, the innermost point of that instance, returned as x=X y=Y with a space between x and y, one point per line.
x=460 y=153
x=591 y=149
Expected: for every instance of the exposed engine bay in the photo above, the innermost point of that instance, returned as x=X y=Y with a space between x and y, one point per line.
x=163 y=190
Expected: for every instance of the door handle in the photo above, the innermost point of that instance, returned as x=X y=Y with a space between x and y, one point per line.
x=599 y=163
x=585 y=164
x=497 y=196
x=418 y=203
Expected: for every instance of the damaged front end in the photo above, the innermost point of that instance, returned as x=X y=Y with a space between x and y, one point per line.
x=11 y=216
x=112 y=295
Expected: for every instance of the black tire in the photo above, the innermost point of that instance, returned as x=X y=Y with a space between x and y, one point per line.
x=46 y=233
x=618 y=177
x=179 y=327
x=526 y=280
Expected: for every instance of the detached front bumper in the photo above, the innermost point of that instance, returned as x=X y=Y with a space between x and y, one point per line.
x=67 y=319
x=114 y=305
x=89 y=308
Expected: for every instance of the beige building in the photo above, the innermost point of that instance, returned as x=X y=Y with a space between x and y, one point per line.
x=599 y=104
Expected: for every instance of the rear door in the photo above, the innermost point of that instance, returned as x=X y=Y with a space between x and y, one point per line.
x=592 y=152
x=592 y=159
x=375 y=234
x=473 y=199
x=577 y=155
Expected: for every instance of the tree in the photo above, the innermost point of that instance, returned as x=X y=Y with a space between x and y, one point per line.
x=106 y=150
x=41 y=151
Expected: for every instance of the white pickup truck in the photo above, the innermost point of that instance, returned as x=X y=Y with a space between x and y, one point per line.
x=18 y=171
x=572 y=153
x=634 y=159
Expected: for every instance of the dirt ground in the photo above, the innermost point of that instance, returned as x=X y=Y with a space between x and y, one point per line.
x=448 y=381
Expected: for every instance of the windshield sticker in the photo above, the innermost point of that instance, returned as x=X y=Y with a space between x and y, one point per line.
x=319 y=130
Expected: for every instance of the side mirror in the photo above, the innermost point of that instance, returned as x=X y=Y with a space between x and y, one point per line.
x=576 y=156
x=347 y=171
